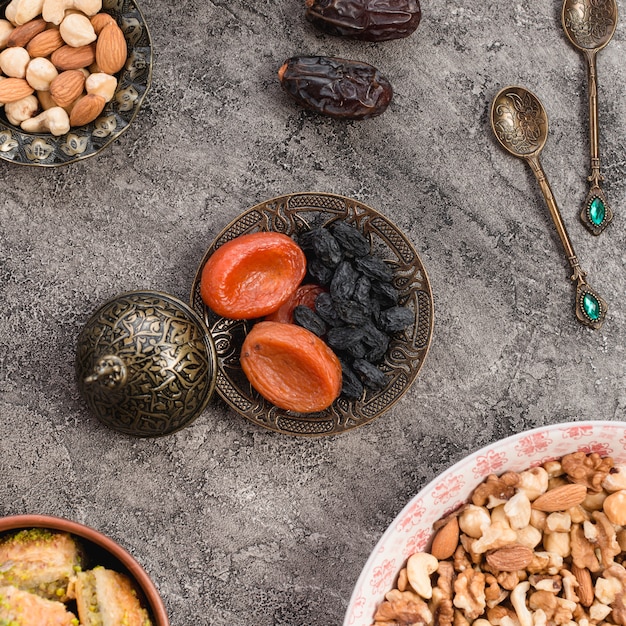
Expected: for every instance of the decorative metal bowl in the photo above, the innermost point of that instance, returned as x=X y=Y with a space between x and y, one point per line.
x=101 y=550
x=292 y=214
x=145 y=364
x=46 y=150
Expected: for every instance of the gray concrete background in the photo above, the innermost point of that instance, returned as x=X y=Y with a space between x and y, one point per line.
x=236 y=524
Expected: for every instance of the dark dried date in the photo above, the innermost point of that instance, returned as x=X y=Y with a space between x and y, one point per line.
x=368 y=20
x=339 y=88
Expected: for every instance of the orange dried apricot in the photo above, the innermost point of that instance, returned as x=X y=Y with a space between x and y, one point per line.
x=291 y=367
x=304 y=295
x=252 y=275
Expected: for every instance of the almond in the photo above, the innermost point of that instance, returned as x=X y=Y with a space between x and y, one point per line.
x=560 y=498
x=111 y=49
x=585 y=591
x=510 y=558
x=14 y=89
x=86 y=110
x=100 y=20
x=69 y=58
x=446 y=540
x=21 y=35
x=44 y=44
x=67 y=86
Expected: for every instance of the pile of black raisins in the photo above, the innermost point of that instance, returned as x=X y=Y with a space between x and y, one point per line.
x=359 y=313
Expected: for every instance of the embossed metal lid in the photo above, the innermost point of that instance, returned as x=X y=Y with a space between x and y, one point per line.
x=146 y=364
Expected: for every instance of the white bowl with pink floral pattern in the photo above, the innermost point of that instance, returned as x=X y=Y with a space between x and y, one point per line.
x=411 y=530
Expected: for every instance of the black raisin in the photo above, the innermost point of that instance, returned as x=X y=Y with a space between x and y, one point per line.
x=351 y=240
x=358 y=350
x=344 y=281
x=342 y=337
x=305 y=317
x=325 y=247
x=351 y=385
x=352 y=312
x=386 y=293
x=396 y=318
x=370 y=375
x=377 y=341
x=320 y=273
x=362 y=291
x=374 y=268
x=325 y=308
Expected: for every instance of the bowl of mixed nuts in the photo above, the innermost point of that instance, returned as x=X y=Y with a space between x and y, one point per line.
x=73 y=75
x=528 y=530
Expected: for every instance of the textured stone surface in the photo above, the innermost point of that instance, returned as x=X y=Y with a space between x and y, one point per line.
x=236 y=524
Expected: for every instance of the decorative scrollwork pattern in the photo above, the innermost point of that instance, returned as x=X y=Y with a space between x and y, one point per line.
x=168 y=360
x=519 y=123
x=293 y=214
x=133 y=83
x=590 y=22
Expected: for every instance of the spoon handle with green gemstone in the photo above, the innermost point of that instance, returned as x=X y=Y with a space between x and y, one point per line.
x=596 y=213
x=590 y=307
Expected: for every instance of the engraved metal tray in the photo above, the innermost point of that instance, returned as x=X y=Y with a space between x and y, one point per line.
x=134 y=79
x=292 y=214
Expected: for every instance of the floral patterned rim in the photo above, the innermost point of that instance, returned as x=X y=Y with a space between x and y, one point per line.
x=46 y=150
x=411 y=529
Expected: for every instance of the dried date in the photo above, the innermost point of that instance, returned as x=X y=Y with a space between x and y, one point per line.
x=339 y=88
x=367 y=20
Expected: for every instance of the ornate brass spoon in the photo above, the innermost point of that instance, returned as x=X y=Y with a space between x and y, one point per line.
x=520 y=124
x=589 y=25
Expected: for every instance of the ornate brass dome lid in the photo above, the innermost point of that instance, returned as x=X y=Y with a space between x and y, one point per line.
x=146 y=364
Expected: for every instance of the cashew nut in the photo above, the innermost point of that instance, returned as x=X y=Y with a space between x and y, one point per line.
x=54 y=120
x=13 y=62
x=19 y=12
x=40 y=73
x=419 y=567
x=76 y=30
x=54 y=10
x=517 y=510
x=6 y=28
x=21 y=110
x=518 y=600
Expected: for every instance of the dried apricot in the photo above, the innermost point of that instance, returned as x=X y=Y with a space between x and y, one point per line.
x=252 y=275
x=291 y=367
x=304 y=295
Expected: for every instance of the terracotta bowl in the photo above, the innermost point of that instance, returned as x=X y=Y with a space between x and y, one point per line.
x=103 y=551
x=411 y=530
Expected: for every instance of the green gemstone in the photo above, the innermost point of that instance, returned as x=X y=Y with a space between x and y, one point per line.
x=591 y=306
x=597 y=211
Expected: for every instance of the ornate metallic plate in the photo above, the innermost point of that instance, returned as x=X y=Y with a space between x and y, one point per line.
x=44 y=149
x=292 y=214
